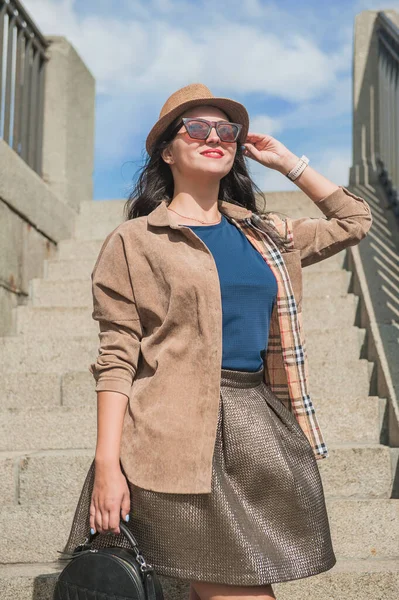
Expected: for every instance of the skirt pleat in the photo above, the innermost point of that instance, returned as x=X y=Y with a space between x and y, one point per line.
x=265 y=520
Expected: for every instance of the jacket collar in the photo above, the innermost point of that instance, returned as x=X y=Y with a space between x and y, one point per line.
x=161 y=216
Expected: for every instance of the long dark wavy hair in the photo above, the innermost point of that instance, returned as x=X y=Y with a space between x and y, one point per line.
x=155 y=183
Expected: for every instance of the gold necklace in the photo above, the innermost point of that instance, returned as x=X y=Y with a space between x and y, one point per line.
x=199 y=220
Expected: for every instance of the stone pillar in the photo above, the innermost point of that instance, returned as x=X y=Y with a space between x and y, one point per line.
x=68 y=129
x=365 y=131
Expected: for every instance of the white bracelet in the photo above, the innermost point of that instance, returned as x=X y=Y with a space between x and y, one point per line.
x=299 y=168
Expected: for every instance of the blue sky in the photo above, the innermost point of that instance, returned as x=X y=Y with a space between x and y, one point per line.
x=289 y=63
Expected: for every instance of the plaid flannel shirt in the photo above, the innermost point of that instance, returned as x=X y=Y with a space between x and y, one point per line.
x=286 y=358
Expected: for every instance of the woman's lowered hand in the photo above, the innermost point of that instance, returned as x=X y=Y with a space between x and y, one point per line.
x=110 y=499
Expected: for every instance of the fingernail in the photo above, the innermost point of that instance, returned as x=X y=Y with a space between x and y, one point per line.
x=127 y=517
x=92 y=531
x=243 y=147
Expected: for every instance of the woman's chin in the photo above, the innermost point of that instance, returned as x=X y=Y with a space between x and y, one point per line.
x=213 y=169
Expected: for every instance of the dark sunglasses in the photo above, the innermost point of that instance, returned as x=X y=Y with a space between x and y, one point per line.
x=199 y=129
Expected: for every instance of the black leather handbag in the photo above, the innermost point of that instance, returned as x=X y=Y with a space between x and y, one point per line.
x=110 y=573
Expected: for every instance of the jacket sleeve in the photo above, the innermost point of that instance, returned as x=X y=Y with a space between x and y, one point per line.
x=114 y=307
x=347 y=223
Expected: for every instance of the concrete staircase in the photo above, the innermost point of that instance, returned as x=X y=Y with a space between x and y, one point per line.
x=48 y=423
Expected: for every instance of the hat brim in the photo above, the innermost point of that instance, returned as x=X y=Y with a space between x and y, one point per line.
x=235 y=110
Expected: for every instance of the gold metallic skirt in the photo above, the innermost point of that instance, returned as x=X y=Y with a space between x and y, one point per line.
x=265 y=520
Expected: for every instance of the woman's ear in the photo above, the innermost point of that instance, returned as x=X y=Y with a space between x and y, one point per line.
x=167 y=155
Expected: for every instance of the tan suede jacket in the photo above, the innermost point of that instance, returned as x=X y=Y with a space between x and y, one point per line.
x=156 y=296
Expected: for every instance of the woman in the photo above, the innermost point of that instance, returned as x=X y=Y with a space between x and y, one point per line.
x=198 y=297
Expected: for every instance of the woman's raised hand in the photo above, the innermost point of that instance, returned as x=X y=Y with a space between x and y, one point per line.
x=110 y=499
x=269 y=152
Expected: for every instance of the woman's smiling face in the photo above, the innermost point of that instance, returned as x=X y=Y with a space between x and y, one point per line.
x=185 y=155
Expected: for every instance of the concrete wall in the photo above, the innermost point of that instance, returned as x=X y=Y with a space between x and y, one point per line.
x=36 y=212
x=68 y=135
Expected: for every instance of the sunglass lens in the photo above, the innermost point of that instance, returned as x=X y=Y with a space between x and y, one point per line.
x=228 y=132
x=197 y=129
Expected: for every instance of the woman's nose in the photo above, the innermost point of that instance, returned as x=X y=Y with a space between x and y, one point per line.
x=213 y=134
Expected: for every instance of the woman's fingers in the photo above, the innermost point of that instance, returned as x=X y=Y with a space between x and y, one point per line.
x=253 y=134
x=257 y=136
x=113 y=520
x=92 y=512
x=252 y=152
x=104 y=519
x=109 y=503
x=126 y=504
x=98 y=521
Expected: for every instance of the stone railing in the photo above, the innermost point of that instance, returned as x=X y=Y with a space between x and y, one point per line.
x=22 y=68
x=388 y=91
x=376 y=103
x=46 y=150
x=374 y=175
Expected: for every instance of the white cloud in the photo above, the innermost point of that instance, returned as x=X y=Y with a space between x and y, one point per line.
x=308 y=115
x=159 y=55
x=144 y=51
x=265 y=124
x=337 y=101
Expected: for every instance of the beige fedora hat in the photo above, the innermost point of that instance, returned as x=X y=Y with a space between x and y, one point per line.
x=191 y=95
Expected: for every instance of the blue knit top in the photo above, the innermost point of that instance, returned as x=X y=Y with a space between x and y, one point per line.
x=248 y=292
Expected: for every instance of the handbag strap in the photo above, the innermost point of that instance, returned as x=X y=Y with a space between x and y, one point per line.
x=149 y=586
x=144 y=566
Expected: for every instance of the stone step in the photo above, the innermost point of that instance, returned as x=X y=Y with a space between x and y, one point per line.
x=326 y=285
x=97 y=218
x=289 y=203
x=326 y=380
x=319 y=314
x=42 y=321
x=48 y=428
x=333 y=263
x=46 y=354
x=43 y=476
x=31 y=581
x=357 y=470
x=37 y=532
x=35 y=390
x=60 y=427
x=88 y=249
x=73 y=249
x=73 y=292
x=54 y=269
x=363 y=528
x=378 y=578
x=329 y=312
x=346 y=344
x=57 y=476
x=78 y=292
x=57 y=354
x=343 y=421
x=82 y=269
x=20 y=389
